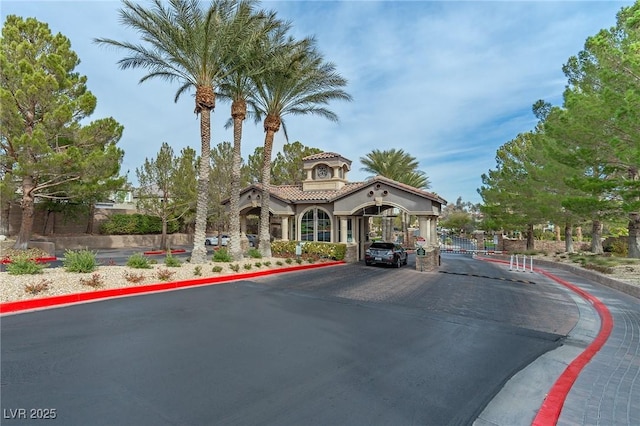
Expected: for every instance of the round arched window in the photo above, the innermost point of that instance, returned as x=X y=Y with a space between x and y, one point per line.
x=315 y=225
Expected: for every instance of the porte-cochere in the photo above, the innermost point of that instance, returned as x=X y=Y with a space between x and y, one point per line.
x=327 y=207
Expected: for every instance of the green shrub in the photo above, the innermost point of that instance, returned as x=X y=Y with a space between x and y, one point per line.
x=288 y=261
x=267 y=263
x=279 y=263
x=254 y=253
x=172 y=262
x=23 y=265
x=619 y=247
x=222 y=255
x=83 y=261
x=258 y=264
x=235 y=267
x=197 y=271
x=139 y=261
x=216 y=268
x=128 y=224
x=248 y=266
x=283 y=248
x=318 y=249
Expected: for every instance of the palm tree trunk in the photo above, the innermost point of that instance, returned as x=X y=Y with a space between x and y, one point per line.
x=238 y=112
x=264 y=235
x=199 y=252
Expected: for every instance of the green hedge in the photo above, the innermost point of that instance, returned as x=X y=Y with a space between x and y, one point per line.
x=135 y=224
x=335 y=251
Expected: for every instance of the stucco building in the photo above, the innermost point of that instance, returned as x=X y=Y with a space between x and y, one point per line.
x=327 y=207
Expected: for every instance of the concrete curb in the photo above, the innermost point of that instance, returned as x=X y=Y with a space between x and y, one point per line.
x=69 y=299
x=551 y=407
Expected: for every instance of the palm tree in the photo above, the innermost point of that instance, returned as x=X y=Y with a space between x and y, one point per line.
x=237 y=87
x=397 y=165
x=299 y=82
x=184 y=43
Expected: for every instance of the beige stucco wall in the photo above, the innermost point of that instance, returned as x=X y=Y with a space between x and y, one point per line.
x=95 y=242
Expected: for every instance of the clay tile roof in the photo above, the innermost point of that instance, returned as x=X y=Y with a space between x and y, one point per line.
x=321 y=156
x=294 y=193
x=409 y=188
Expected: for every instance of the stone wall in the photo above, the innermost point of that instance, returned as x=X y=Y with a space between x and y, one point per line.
x=430 y=261
x=514 y=245
x=351 y=255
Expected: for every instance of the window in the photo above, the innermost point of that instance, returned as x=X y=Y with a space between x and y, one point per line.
x=307 y=228
x=324 y=226
x=315 y=225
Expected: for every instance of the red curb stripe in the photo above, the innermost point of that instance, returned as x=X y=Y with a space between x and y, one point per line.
x=37 y=260
x=551 y=407
x=53 y=301
x=163 y=252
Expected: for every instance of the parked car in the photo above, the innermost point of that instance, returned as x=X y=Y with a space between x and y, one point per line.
x=385 y=253
x=253 y=240
x=213 y=241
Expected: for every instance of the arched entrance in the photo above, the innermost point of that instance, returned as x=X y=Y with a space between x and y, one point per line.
x=326 y=207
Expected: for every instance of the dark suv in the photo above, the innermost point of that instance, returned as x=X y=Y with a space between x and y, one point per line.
x=386 y=253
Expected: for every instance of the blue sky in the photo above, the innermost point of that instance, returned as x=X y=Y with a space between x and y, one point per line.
x=449 y=82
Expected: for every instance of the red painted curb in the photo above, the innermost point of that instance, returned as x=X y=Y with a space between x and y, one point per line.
x=38 y=260
x=53 y=301
x=163 y=251
x=551 y=407
x=549 y=412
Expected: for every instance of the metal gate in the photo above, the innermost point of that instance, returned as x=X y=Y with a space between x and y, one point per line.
x=464 y=245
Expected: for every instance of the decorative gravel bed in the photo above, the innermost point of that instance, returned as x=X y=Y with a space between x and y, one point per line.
x=56 y=281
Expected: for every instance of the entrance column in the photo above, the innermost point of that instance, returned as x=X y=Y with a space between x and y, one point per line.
x=285 y=228
x=423 y=226
x=343 y=229
x=434 y=231
x=243 y=225
x=427 y=236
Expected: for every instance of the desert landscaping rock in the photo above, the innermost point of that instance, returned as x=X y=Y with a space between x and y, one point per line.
x=60 y=282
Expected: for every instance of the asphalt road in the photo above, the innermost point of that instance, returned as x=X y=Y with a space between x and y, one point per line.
x=348 y=344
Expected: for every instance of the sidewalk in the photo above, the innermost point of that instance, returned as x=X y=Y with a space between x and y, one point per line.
x=606 y=390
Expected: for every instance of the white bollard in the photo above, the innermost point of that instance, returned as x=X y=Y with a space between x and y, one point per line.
x=531 y=264
x=511 y=263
